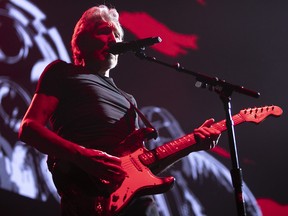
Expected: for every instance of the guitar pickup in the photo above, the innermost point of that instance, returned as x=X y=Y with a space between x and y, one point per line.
x=134 y=162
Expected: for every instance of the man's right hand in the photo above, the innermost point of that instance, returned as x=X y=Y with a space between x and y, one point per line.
x=102 y=166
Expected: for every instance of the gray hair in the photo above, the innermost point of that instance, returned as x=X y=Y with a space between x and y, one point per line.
x=87 y=21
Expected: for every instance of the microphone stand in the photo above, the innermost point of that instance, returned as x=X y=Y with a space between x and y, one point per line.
x=225 y=91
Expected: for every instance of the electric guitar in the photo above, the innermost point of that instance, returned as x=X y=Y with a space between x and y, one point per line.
x=142 y=163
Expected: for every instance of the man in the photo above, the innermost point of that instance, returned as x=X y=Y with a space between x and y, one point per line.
x=89 y=118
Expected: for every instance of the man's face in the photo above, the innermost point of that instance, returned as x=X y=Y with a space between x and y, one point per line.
x=101 y=37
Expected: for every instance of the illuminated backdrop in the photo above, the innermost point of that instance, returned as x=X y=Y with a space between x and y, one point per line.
x=244 y=43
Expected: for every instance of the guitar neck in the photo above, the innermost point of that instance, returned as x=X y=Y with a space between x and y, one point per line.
x=162 y=156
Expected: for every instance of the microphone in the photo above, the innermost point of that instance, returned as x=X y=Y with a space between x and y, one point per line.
x=134 y=46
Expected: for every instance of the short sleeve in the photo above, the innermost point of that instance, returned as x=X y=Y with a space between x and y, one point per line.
x=52 y=79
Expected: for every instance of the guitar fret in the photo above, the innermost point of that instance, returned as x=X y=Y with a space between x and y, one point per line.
x=219 y=125
x=147 y=158
x=175 y=146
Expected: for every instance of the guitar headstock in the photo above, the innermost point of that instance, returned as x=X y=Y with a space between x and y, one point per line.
x=258 y=114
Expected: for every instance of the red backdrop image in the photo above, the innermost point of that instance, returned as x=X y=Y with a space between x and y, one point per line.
x=242 y=43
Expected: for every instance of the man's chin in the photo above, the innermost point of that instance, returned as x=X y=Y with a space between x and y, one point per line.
x=113 y=61
x=110 y=64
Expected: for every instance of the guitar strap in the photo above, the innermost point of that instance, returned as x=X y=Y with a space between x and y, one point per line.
x=146 y=122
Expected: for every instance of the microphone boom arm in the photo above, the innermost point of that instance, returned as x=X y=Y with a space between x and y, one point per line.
x=214 y=83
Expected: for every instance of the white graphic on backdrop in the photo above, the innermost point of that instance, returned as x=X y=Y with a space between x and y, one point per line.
x=26 y=47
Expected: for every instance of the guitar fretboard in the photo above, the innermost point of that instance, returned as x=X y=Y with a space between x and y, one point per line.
x=180 y=147
x=174 y=150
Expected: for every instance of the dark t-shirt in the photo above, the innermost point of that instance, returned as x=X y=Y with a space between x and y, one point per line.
x=91 y=111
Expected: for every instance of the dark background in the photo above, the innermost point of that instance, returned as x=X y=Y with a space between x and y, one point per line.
x=242 y=42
